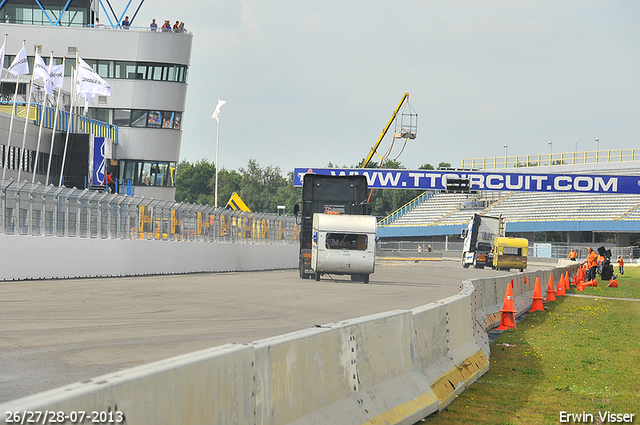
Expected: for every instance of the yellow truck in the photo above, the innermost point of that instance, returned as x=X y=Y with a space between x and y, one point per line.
x=510 y=253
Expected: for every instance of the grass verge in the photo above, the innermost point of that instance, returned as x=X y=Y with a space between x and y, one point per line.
x=579 y=355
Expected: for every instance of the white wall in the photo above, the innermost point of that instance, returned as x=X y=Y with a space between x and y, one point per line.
x=48 y=257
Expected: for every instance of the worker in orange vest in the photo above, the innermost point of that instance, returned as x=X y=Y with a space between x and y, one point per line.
x=620 y=264
x=573 y=255
x=592 y=264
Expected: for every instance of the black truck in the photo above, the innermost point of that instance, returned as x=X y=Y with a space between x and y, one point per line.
x=329 y=195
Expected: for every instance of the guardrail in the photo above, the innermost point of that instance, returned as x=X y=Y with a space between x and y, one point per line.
x=395 y=367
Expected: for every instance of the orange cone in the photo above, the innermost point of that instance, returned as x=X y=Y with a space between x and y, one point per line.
x=580 y=287
x=508 y=319
x=583 y=275
x=613 y=283
x=551 y=290
x=537 y=297
x=566 y=281
x=561 y=291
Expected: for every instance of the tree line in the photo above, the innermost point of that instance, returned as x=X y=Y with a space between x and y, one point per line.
x=263 y=189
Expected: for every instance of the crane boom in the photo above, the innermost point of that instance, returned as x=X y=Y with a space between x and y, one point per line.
x=384 y=132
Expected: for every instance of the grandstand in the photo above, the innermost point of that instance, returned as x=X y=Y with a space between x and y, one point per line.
x=441 y=213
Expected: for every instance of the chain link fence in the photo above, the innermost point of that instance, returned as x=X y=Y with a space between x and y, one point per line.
x=38 y=210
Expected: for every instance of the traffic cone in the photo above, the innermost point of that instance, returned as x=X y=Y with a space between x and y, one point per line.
x=561 y=286
x=537 y=297
x=508 y=319
x=551 y=290
x=566 y=281
x=613 y=283
x=580 y=276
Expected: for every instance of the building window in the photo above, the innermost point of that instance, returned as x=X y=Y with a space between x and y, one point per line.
x=122 y=117
x=154 y=119
x=167 y=119
x=138 y=118
x=149 y=173
x=120 y=69
x=171 y=120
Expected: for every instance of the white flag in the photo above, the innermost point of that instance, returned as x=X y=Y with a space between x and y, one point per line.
x=89 y=83
x=56 y=75
x=40 y=69
x=20 y=65
x=2 y=56
x=216 y=113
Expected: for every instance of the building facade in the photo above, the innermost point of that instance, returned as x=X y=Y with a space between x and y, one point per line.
x=146 y=68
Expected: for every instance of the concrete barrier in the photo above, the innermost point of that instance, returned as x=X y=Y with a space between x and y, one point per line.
x=449 y=356
x=50 y=257
x=350 y=372
x=208 y=386
x=395 y=367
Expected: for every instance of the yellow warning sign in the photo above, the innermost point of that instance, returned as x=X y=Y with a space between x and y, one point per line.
x=235 y=203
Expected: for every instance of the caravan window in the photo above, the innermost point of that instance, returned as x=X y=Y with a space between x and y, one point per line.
x=512 y=250
x=346 y=241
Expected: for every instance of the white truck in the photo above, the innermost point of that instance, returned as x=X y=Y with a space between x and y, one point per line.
x=479 y=237
x=343 y=244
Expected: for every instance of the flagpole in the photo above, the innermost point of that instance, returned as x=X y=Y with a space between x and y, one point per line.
x=2 y=59
x=13 y=109
x=42 y=113
x=73 y=102
x=26 y=122
x=215 y=201
x=216 y=116
x=55 y=121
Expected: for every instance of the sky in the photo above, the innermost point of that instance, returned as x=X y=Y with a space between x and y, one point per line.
x=308 y=83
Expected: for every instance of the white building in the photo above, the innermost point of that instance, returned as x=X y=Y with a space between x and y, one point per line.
x=147 y=70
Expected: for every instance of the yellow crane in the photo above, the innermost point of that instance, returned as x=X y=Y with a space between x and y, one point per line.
x=405 y=129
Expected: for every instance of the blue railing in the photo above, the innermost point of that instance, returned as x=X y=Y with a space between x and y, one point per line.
x=404 y=209
x=79 y=123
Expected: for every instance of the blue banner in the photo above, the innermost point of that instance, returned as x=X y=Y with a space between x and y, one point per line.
x=99 y=160
x=484 y=180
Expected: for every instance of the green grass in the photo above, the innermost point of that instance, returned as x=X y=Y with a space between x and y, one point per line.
x=579 y=355
x=628 y=286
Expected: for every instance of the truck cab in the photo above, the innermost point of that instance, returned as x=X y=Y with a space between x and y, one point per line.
x=479 y=237
x=345 y=195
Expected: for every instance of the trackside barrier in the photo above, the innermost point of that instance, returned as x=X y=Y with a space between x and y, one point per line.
x=395 y=367
x=41 y=257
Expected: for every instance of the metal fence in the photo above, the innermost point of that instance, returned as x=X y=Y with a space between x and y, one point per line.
x=38 y=210
x=536 y=248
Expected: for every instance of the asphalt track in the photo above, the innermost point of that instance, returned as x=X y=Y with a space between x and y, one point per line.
x=57 y=332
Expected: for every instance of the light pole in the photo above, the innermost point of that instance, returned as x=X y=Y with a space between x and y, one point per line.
x=506 y=155
x=598 y=144
x=216 y=116
x=550 y=151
